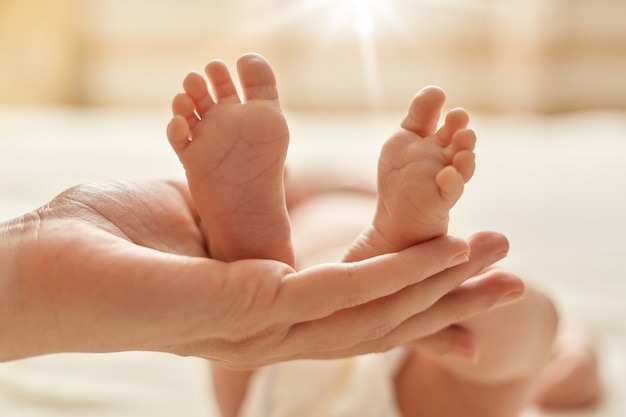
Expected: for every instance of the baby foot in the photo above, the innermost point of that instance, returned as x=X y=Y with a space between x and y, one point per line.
x=234 y=153
x=421 y=175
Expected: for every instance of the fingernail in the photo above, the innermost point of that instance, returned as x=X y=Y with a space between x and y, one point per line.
x=458 y=260
x=497 y=257
x=509 y=297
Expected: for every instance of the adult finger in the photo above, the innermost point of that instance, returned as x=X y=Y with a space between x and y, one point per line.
x=482 y=293
x=377 y=318
x=317 y=292
x=481 y=296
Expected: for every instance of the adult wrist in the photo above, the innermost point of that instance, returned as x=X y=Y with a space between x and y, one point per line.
x=11 y=236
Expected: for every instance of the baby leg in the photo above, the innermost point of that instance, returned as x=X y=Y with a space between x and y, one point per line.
x=233 y=152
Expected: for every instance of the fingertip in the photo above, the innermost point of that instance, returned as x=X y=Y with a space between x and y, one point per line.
x=514 y=288
x=458 y=250
x=503 y=286
x=489 y=239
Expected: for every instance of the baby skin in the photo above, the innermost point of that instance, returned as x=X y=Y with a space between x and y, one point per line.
x=421 y=175
x=233 y=153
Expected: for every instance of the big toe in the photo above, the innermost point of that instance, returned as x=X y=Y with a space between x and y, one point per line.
x=424 y=111
x=257 y=78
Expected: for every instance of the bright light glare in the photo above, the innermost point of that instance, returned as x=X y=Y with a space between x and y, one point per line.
x=362 y=14
x=363 y=25
x=366 y=14
x=359 y=15
x=367 y=19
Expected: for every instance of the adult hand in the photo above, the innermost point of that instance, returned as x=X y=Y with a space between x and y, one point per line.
x=124 y=266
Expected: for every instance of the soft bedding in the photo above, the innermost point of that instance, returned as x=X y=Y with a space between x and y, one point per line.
x=554 y=185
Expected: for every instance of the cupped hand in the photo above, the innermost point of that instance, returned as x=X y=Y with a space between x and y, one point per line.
x=125 y=266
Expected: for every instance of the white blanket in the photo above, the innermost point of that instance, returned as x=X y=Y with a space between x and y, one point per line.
x=555 y=186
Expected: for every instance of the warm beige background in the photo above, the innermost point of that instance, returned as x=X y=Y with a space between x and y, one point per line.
x=538 y=55
x=553 y=183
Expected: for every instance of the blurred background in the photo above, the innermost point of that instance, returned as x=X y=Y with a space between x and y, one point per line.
x=492 y=55
x=85 y=90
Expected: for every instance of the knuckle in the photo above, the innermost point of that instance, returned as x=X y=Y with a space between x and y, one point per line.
x=355 y=297
x=254 y=349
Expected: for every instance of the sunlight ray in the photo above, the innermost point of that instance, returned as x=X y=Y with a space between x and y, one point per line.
x=366 y=20
x=283 y=16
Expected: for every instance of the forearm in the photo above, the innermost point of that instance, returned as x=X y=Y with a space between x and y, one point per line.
x=29 y=325
x=67 y=288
